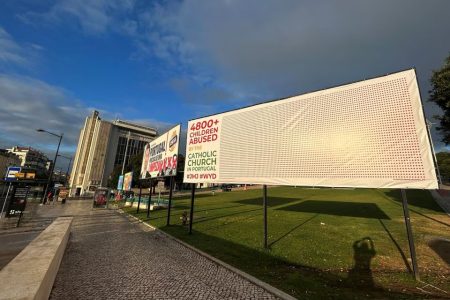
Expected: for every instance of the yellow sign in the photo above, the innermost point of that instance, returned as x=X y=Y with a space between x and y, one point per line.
x=25 y=175
x=31 y=175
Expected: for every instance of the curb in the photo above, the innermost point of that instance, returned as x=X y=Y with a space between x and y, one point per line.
x=274 y=291
x=31 y=274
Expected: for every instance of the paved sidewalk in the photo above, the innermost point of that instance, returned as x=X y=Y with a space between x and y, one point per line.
x=110 y=258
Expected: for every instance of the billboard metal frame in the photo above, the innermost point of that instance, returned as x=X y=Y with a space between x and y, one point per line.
x=150 y=179
x=402 y=190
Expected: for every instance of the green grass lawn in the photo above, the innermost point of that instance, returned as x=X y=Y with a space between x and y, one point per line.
x=319 y=239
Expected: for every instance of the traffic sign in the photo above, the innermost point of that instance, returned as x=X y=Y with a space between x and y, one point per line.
x=11 y=173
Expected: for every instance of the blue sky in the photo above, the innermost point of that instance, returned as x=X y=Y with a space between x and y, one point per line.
x=165 y=62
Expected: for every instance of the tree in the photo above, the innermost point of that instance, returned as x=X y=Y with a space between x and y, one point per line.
x=443 y=161
x=134 y=164
x=440 y=94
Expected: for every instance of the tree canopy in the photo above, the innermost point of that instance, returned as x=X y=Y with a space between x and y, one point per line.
x=440 y=94
x=443 y=161
x=134 y=164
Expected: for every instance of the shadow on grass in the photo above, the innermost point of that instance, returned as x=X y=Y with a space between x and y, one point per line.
x=271 y=201
x=418 y=198
x=361 y=273
x=349 y=209
x=395 y=197
x=405 y=260
x=205 y=219
x=188 y=197
x=178 y=211
x=292 y=230
x=295 y=279
x=442 y=248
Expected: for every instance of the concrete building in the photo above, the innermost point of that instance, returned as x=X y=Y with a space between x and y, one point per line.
x=7 y=159
x=31 y=159
x=101 y=147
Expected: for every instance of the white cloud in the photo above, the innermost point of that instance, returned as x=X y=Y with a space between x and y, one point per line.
x=254 y=50
x=92 y=16
x=259 y=50
x=27 y=104
x=10 y=51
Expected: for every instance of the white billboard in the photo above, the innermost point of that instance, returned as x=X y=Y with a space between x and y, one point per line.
x=368 y=134
x=161 y=155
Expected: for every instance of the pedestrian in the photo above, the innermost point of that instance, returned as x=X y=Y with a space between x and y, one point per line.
x=49 y=197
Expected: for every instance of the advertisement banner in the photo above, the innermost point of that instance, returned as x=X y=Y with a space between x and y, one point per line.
x=161 y=155
x=127 y=180
x=368 y=134
x=120 y=183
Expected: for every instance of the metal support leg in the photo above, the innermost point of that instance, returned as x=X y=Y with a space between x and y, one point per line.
x=149 y=199
x=265 y=214
x=412 y=248
x=191 y=213
x=139 y=200
x=170 y=200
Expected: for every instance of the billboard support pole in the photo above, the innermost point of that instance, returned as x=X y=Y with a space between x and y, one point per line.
x=6 y=198
x=149 y=199
x=191 y=213
x=412 y=248
x=170 y=200
x=140 y=195
x=265 y=214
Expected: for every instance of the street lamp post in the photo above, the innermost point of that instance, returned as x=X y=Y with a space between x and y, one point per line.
x=54 y=161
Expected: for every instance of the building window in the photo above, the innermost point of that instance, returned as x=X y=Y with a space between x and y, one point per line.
x=134 y=147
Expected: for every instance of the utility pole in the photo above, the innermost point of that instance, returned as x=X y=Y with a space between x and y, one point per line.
x=126 y=151
x=54 y=162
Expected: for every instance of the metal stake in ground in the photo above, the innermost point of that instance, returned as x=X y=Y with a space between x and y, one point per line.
x=170 y=200
x=412 y=248
x=265 y=214
x=149 y=199
x=191 y=213
x=140 y=194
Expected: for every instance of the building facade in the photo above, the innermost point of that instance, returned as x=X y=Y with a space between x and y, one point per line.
x=102 y=146
x=7 y=159
x=31 y=159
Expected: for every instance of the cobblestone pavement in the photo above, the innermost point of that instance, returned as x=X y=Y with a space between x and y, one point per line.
x=110 y=258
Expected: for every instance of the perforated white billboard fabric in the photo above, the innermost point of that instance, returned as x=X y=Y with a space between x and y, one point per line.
x=161 y=155
x=368 y=134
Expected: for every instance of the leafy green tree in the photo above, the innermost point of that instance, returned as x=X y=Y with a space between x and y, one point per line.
x=134 y=164
x=443 y=161
x=440 y=94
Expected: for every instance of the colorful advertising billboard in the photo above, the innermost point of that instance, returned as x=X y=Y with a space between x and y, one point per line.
x=368 y=134
x=127 y=179
x=120 y=183
x=161 y=155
